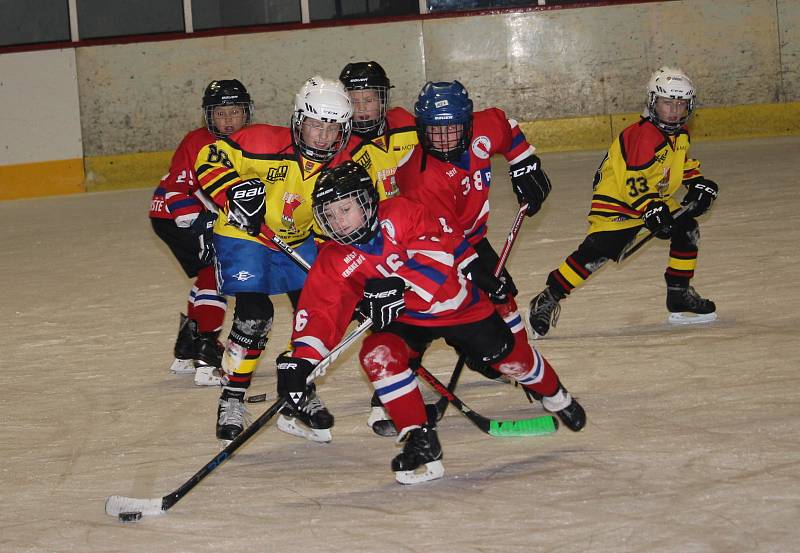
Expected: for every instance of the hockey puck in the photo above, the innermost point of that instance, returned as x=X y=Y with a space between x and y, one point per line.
x=258 y=398
x=130 y=517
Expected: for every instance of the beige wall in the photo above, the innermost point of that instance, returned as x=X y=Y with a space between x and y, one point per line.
x=568 y=73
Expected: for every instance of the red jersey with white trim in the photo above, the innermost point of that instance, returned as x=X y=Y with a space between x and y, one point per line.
x=411 y=244
x=460 y=190
x=176 y=197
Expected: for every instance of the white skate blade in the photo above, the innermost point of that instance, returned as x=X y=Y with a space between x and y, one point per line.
x=204 y=376
x=182 y=366
x=292 y=426
x=117 y=504
x=433 y=470
x=691 y=318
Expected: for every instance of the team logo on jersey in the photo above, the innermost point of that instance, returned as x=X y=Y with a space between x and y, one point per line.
x=365 y=161
x=291 y=202
x=380 y=142
x=277 y=173
x=390 y=231
x=387 y=179
x=243 y=275
x=663 y=184
x=482 y=147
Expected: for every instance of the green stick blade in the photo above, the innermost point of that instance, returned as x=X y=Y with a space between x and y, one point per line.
x=536 y=426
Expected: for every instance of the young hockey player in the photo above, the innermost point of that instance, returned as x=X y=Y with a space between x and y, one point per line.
x=182 y=216
x=410 y=273
x=382 y=138
x=635 y=186
x=450 y=172
x=265 y=175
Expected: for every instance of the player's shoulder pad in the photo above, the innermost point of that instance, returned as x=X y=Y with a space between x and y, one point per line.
x=398 y=117
x=196 y=139
x=639 y=143
x=261 y=138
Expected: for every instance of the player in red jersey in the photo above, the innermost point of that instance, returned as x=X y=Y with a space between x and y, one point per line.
x=182 y=217
x=451 y=173
x=417 y=280
x=635 y=187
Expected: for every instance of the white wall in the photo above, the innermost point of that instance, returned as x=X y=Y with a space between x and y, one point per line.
x=40 y=117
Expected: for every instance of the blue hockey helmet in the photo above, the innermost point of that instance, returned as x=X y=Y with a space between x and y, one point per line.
x=444 y=119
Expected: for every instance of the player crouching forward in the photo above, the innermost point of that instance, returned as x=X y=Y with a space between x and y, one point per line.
x=406 y=270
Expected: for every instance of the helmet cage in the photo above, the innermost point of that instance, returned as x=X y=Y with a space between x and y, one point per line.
x=440 y=105
x=348 y=181
x=225 y=93
x=672 y=84
x=325 y=101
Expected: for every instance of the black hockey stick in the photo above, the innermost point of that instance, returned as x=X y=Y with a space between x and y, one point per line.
x=634 y=247
x=536 y=426
x=441 y=405
x=130 y=509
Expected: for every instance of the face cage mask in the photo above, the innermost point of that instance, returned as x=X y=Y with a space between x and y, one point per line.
x=454 y=153
x=371 y=127
x=666 y=126
x=318 y=154
x=361 y=235
x=212 y=128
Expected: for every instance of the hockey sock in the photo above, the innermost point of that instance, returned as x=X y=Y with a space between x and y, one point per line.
x=207 y=306
x=384 y=358
x=252 y=322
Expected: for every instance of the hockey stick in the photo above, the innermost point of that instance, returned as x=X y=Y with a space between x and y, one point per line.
x=131 y=509
x=634 y=247
x=536 y=426
x=441 y=405
x=267 y=237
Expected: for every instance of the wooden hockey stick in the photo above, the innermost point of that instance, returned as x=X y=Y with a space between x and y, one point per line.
x=634 y=247
x=441 y=405
x=131 y=509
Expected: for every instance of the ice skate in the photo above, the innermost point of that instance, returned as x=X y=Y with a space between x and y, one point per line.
x=231 y=415
x=378 y=420
x=209 y=360
x=310 y=419
x=185 y=347
x=421 y=450
x=566 y=408
x=544 y=312
x=687 y=307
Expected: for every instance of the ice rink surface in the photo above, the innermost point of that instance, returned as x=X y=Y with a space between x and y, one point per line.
x=692 y=442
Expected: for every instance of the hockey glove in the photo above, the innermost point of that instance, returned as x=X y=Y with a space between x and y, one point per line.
x=203 y=228
x=292 y=375
x=530 y=183
x=658 y=219
x=702 y=192
x=498 y=289
x=246 y=206
x=383 y=300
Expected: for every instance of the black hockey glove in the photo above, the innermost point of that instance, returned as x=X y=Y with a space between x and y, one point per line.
x=498 y=289
x=246 y=207
x=702 y=192
x=658 y=220
x=383 y=300
x=292 y=375
x=530 y=183
x=203 y=228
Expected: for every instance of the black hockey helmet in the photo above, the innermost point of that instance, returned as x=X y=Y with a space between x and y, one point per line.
x=367 y=75
x=340 y=221
x=226 y=92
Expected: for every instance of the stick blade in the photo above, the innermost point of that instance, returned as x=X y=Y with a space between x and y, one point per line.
x=537 y=426
x=117 y=504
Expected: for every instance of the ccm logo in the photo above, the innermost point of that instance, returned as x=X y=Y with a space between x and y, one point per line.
x=386 y=294
x=251 y=193
x=524 y=170
x=287 y=366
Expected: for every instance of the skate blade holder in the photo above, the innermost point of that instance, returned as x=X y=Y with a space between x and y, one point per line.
x=433 y=470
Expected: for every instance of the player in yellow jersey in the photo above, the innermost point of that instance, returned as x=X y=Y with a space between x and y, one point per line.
x=635 y=186
x=383 y=138
x=265 y=175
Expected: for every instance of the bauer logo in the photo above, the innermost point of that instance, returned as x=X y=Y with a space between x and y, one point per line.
x=243 y=275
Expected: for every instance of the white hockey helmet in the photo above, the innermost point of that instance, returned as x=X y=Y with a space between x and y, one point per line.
x=668 y=82
x=324 y=100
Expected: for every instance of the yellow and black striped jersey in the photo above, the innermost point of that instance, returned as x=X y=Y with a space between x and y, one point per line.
x=642 y=165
